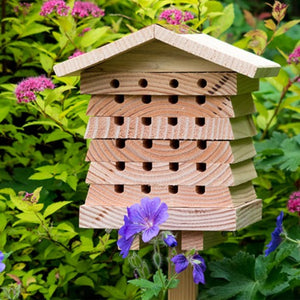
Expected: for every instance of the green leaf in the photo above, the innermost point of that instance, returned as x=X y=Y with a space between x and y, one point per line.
x=46 y=62
x=114 y=292
x=224 y=21
x=84 y=280
x=284 y=28
x=93 y=36
x=52 y=208
x=34 y=28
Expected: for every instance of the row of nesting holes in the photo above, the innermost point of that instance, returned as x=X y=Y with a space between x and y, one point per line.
x=173 y=166
x=146 y=189
x=147 y=121
x=173 y=99
x=143 y=83
x=148 y=144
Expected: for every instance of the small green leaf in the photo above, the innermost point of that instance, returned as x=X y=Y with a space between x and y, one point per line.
x=52 y=208
x=84 y=280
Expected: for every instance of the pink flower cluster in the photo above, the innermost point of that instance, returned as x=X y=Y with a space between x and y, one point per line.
x=26 y=89
x=294 y=57
x=175 y=16
x=83 y=9
x=294 y=202
x=57 y=6
x=22 y=9
x=75 y=54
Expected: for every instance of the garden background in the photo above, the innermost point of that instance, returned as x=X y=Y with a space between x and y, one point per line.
x=43 y=171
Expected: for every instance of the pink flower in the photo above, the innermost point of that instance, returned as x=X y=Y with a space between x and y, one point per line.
x=294 y=202
x=175 y=16
x=75 y=54
x=26 y=89
x=294 y=57
x=84 y=30
x=83 y=9
x=57 y=6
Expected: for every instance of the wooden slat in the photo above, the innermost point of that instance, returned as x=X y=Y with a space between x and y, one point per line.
x=160 y=128
x=162 y=173
x=170 y=106
x=193 y=219
x=212 y=84
x=163 y=151
x=173 y=196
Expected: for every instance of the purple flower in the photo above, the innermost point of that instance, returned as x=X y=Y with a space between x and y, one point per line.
x=181 y=262
x=294 y=57
x=57 y=6
x=275 y=236
x=294 y=202
x=2 y=265
x=142 y=218
x=175 y=16
x=76 y=53
x=170 y=240
x=83 y=9
x=26 y=89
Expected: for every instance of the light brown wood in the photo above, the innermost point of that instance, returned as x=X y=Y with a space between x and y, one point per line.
x=204 y=47
x=184 y=218
x=170 y=151
x=170 y=128
x=170 y=106
x=212 y=84
x=164 y=173
x=173 y=196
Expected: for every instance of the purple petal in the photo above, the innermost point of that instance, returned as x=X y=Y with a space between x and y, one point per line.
x=198 y=275
x=1 y=256
x=196 y=259
x=149 y=207
x=2 y=267
x=135 y=214
x=150 y=233
x=170 y=241
x=133 y=229
x=161 y=215
x=180 y=262
x=124 y=245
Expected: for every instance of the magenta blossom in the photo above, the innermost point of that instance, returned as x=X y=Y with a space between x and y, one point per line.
x=294 y=57
x=26 y=90
x=84 y=30
x=294 y=202
x=56 y=6
x=84 y=9
x=76 y=53
x=175 y=16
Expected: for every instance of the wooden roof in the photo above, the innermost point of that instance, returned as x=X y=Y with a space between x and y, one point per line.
x=199 y=45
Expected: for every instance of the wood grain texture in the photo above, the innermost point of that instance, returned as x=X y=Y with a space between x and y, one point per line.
x=170 y=151
x=184 y=218
x=170 y=106
x=173 y=196
x=213 y=84
x=160 y=128
x=161 y=173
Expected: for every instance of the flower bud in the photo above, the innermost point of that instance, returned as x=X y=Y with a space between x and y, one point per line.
x=157 y=260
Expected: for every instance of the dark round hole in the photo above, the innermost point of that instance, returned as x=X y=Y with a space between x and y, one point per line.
x=202 y=83
x=115 y=83
x=201 y=167
x=173 y=99
x=146 y=189
x=143 y=83
x=200 y=121
x=119 y=188
x=173 y=189
x=173 y=166
x=174 y=144
x=120 y=143
x=147 y=144
x=200 y=189
x=119 y=98
x=120 y=165
x=146 y=121
x=119 y=120
x=202 y=144
x=172 y=121
x=174 y=83
x=200 y=99
x=147 y=166
x=146 y=99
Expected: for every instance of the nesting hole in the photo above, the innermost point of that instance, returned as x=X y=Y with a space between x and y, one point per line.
x=119 y=98
x=146 y=99
x=172 y=121
x=173 y=99
x=174 y=166
x=146 y=121
x=147 y=144
x=201 y=167
x=200 y=99
x=173 y=189
x=115 y=83
x=174 y=144
x=120 y=165
x=119 y=188
x=143 y=82
x=200 y=189
x=120 y=143
x=146 y=189
x=174 y=83
x=200 y=121
x=147 y=166
x=119 y=120
x=202 y=144
x=202 y=83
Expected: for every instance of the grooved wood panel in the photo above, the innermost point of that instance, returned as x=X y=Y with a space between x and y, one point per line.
x=163 y=151
x=213 y=84
x=160 y=174
x=173 y=196
x=170 y=106
x=160 y=128
x=185 y=218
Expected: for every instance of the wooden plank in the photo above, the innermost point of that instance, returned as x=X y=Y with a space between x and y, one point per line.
x=170 y=150
x=173 y=196
x=170 y=128
x=171 y=174
x=212 y=84
x=170 y=106
x=184 y=218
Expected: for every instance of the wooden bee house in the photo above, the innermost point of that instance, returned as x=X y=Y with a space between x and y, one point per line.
x=170 y=117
